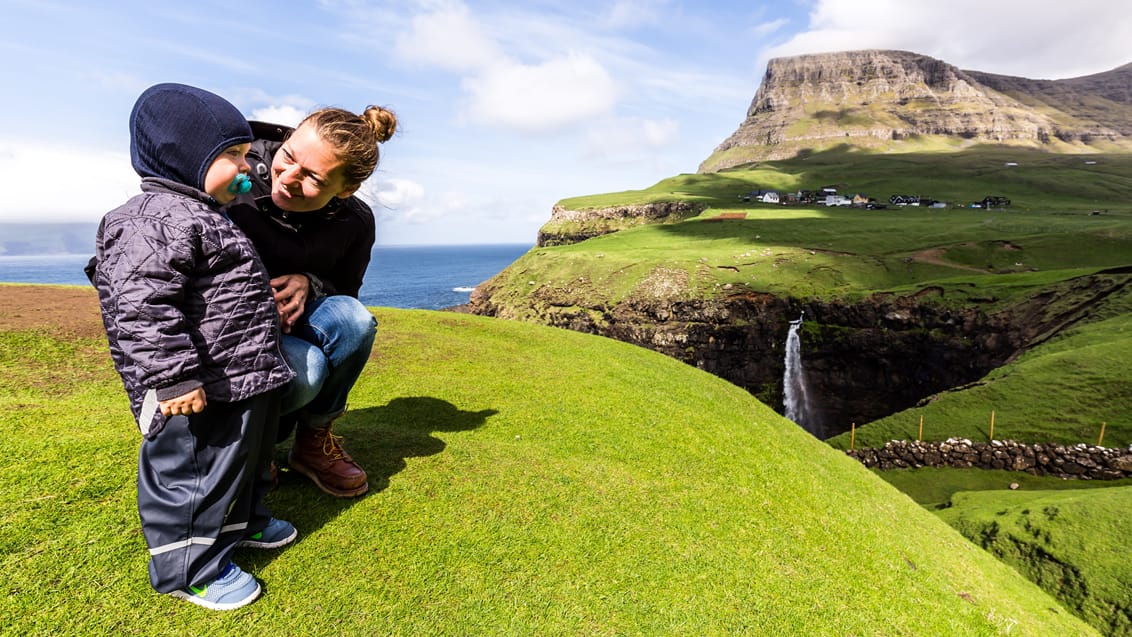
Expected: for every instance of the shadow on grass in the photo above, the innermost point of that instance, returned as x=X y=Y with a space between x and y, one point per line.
x=379 y=439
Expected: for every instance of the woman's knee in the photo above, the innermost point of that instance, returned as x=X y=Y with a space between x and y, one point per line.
x=357 y=315
x=311 y=370
x=346 y=321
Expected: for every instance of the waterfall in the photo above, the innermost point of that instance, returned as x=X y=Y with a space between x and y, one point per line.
x=795 y=400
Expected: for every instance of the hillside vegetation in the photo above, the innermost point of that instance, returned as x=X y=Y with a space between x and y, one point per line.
x=1069 y=227
x=1062 y=390
x=1039 y=182
x=526 y=480
x=1060 y=540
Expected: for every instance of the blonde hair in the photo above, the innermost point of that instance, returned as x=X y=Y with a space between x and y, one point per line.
x=354 y=138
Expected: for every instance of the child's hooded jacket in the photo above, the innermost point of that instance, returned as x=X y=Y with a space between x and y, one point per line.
x=185 y=300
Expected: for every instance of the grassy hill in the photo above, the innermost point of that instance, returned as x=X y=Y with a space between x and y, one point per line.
x=1069 y=218
x=526 y=480
x=1060 y=391
x=1048 y=232
x=1038 y=181
x=1058 y=539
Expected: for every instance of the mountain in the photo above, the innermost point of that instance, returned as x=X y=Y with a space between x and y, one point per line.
x=893 y=101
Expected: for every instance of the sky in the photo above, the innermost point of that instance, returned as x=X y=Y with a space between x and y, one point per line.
x=504 y=108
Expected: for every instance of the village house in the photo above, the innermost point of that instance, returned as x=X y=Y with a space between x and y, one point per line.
x=762 y=196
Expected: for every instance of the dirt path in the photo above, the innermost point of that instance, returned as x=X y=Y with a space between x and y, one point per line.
x=934 y=256
x=59 y=310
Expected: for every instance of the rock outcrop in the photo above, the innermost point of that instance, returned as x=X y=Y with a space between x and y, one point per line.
x=887 y=99
x=568 y=226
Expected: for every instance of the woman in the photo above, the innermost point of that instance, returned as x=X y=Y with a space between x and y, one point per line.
x=315 y=237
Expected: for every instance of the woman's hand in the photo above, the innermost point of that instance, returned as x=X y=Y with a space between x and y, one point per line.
x=291 y=292
x=193 y=402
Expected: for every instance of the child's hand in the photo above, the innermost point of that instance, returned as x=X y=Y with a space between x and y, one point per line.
x=190 y=403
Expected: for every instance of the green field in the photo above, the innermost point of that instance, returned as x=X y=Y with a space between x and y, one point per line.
x=1040 y=247
x=529 y=480
x=526 y=481
x=1068 y=228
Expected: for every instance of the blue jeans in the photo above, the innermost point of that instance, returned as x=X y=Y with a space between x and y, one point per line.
x=328 y=348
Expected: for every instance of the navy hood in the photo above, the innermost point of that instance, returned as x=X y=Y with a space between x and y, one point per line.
x=176 y=131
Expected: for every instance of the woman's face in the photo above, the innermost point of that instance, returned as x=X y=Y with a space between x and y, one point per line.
x=306 y=174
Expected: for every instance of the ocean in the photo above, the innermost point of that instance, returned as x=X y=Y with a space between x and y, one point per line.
x=412 y=277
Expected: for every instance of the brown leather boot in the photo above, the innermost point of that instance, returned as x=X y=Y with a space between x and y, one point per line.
x=318 y=454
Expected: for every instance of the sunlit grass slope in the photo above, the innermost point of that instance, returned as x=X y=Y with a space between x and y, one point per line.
x=1073 y=543
x=1037 y=180
x=975 y=257
x=526 y=481
x=987 y=260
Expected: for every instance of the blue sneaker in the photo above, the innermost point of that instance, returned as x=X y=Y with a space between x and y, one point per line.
x=233 y=589
x=277 y=533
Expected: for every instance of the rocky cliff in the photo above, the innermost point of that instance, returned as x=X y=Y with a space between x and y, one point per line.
x=865 y=359
x=568 y=226
x=892 y=100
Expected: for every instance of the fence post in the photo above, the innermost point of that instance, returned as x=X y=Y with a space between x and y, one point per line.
x=1100 y=439
x=992 y=425
x=920 y=437
x=852 y=435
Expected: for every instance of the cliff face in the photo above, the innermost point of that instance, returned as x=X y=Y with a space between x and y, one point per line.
x=864 y=360
x=888 y=99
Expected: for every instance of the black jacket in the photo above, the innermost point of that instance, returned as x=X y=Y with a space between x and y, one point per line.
x=185 y=302
x=334 y=244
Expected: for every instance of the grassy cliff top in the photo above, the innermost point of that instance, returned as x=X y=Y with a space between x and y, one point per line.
x=1070 y=216
x=526 y=480
x=1037 y=180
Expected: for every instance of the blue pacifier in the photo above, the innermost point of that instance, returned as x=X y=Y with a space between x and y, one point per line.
x=241 y=185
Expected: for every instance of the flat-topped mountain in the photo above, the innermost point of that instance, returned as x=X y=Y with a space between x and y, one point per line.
x=897 y=100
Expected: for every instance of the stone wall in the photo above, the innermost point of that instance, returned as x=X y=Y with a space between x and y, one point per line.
x=1081 y=461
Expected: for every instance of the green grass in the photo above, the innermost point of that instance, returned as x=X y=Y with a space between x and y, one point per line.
x=1040 y=181
x=982 y=261
x=827 y=253
x=526 y=480
x=932 y=487
x=1072 y=543
x=1061 y=392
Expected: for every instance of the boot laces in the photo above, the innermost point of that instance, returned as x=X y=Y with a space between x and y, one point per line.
x=332 y=446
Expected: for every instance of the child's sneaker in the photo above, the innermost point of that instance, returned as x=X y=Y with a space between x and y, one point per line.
x=277 y=533
x=233 y=589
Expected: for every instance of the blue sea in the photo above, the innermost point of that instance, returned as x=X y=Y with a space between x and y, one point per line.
x=414 y=277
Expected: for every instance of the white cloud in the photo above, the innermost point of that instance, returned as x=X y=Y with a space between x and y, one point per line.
x=394 y=193
x=63 y=183
x=284 y=115
x=768 y=28
x=1006 y=36
x=447 y=37
x=631 y=136
x=501 y=89
x=628 y=14
x=542 y=97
